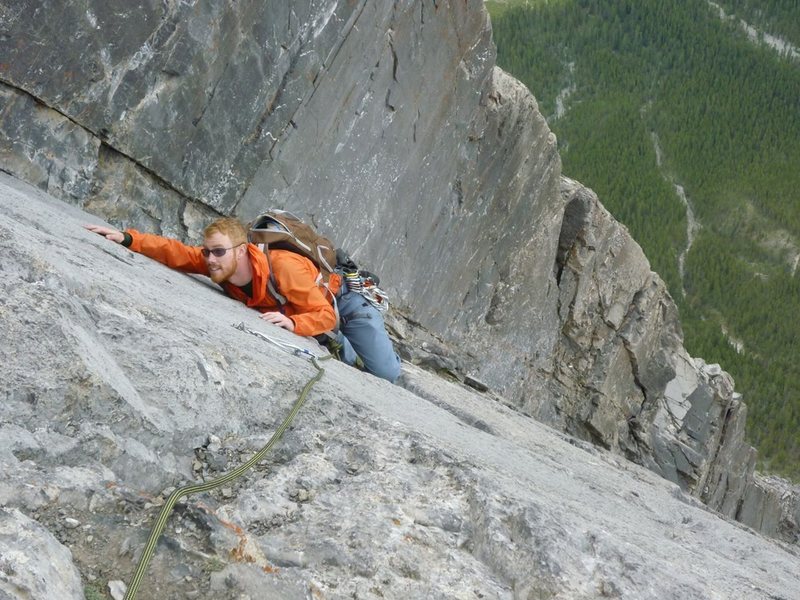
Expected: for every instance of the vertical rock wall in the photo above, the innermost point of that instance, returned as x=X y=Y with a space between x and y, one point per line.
x=623 y=379
x=386 y=124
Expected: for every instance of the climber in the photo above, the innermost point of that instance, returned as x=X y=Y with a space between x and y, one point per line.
x=242 y=270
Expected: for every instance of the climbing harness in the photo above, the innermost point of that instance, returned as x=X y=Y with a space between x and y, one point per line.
x=161 y=522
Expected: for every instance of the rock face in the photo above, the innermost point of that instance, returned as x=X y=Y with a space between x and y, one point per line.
x=116 y=389
x=23 y=573
x=390 y=128
x=623 y=380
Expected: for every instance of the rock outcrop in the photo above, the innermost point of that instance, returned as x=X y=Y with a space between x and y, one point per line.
x=23 y=543
x=116 y=389
x=389 y=127
x=623 y=379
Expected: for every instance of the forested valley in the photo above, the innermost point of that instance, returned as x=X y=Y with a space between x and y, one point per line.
x=688 y=129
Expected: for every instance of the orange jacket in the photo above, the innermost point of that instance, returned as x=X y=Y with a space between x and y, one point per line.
x=308 y=304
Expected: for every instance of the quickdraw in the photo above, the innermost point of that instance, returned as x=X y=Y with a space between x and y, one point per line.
x=363 y=282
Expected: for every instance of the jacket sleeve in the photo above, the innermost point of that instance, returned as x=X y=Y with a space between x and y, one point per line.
x=168 y=251
x=307 y=304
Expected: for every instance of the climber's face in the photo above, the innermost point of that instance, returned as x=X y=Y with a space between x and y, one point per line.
x=221 y=256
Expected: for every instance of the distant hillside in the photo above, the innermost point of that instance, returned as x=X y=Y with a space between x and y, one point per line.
x=772 y=17
x=685 y=118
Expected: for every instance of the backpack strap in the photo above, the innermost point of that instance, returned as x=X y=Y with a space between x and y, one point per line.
x=272 y=283
x=272 y=288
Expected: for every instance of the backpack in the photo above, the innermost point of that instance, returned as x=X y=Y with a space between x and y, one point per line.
x=281 y=230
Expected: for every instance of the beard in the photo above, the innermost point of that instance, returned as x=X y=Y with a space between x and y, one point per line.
x=221 y=273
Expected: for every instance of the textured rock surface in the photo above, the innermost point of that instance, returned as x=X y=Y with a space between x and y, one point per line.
x=33 y=564
x=622 y=376
x=202 y=82
x=117 y=389
x=387 y=125
x=623 y=379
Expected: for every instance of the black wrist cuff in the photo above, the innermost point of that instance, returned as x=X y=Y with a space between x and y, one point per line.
x=128 y=239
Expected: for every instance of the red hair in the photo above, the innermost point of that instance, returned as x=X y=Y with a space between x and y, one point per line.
x=229 y=226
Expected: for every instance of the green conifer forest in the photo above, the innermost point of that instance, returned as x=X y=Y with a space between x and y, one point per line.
x=688 y=128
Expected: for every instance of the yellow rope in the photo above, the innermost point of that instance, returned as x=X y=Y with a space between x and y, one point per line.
x=161 y=522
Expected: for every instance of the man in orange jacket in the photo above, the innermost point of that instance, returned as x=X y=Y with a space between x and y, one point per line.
x=242 y=270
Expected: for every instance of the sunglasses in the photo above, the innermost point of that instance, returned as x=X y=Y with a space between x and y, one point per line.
x=218 y=252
